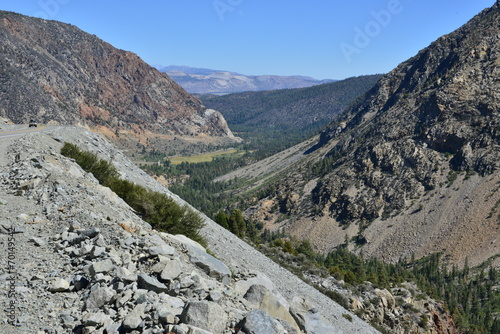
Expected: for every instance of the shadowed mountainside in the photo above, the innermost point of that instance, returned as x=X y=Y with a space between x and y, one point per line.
x=289 y=108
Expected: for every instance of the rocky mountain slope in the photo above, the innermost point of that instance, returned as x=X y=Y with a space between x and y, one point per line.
x=204 y=81
x=54 y=72
x=80 y=260
x=413 y=168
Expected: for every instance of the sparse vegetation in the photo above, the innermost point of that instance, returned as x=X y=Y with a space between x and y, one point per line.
x=347 y=316
x=452 y=176
x=470 y=295
x=157 y=209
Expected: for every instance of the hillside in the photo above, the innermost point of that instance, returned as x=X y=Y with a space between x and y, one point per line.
x=205 y=81
x=411 y=169
x=54 y=72
x=81 y=260
x=290 y=108
x=287 y=115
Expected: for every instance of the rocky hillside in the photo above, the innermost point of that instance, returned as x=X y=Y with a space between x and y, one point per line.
x=413 y=168
x=204 y=81
x=80 y=260
x=54 y=72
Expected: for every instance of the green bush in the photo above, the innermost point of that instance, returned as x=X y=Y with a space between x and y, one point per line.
x=347 y=316
x=102 y=170
x=156 y=208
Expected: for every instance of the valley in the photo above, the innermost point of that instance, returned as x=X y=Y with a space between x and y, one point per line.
x=364 y=205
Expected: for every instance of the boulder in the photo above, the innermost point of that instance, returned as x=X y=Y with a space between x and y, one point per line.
x=387 y=298
x=309 y=319
x=171 y=271
x=99 y=297
x=165 y=315
x=95 y=319
x=242 y=286
x=37 y=241
x=134 y=319
x=59 y=285
x=205 y=315
x=261 y=298
x=103 y=267
x=160 y=246
x=259 y=322
x=161 y=250
x=125 y=275
x=150 y=283
x=210 y=265
x=183 y=240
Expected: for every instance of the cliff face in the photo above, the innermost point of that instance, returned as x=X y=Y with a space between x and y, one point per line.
x=52 y=71
x=414 y=165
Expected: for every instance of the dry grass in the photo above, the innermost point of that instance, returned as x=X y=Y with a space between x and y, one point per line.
x=205 y=157
x=128 y=228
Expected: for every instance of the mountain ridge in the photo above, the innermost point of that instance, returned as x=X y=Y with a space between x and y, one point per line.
x=320 y=102
x=216 y=82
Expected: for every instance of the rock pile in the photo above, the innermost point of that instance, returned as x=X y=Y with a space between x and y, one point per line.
x=84 y=262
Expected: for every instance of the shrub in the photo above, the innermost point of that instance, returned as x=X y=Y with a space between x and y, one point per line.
x=156 y=208
x=347 y=316
x=452 y=176
x=102 y=170
x=337 y=297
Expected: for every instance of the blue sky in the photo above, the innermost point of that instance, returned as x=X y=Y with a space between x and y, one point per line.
x=319 y=38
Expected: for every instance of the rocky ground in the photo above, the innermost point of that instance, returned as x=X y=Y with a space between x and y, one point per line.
x=79 y=260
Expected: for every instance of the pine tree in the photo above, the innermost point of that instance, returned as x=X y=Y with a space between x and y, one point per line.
x=222 y=219
x=237 y=224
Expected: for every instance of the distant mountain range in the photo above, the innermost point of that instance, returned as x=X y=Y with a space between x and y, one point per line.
x=207 y=81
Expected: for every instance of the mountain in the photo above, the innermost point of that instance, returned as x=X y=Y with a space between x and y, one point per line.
x=413 y=167
x=271 y=121
x=54 y=72
x=186 y=70
x=298 y=112
x=204 y=81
